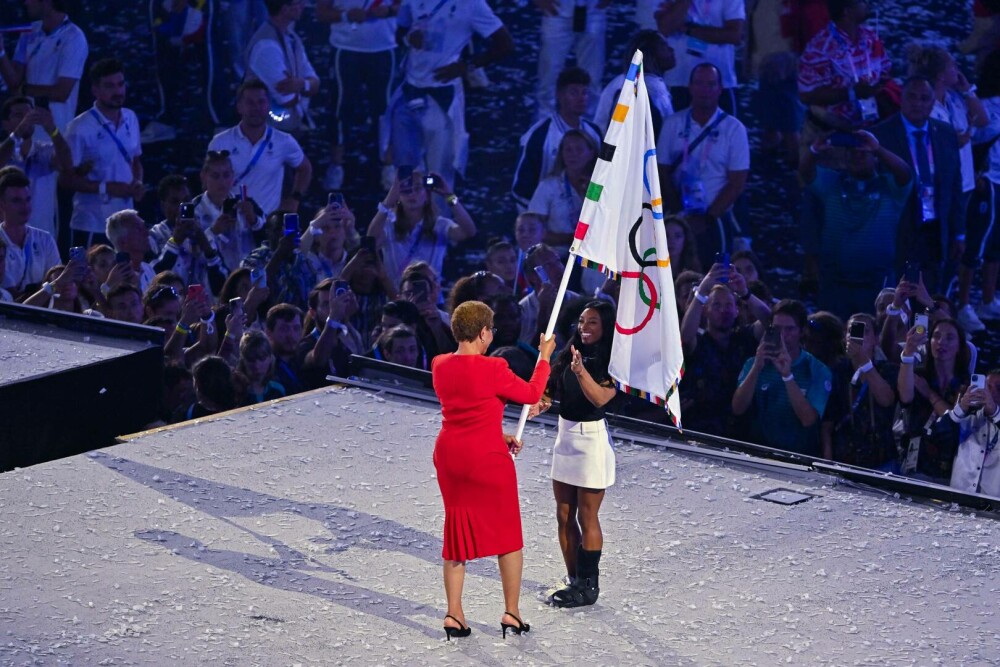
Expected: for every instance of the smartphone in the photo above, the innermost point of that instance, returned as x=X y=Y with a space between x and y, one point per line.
x=368 y=243
x=196 y=291
x=912 y=272
x=187 y=211
x=430 y=182
x=421 y=291
x=920 y=321
x=77 y=253
x=229 y=206
x=341 y=287
x=258 y=277
x=542 y=274
x=41 y=103
x=292 y=224
x=772 y=338
x=404 y=172
x=122 y=258
x=335 y=200
x=857 y=331
x=978 y=381
x=236 y=305
x=722 y=259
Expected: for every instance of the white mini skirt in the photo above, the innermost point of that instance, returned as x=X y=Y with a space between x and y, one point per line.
x=583 y=455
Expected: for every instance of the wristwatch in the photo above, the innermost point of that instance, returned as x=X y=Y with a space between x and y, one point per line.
x=452 y=199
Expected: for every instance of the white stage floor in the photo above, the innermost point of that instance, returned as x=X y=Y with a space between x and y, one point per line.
x=308 y=533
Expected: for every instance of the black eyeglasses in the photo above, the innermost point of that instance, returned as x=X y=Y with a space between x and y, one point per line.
x=218 y=155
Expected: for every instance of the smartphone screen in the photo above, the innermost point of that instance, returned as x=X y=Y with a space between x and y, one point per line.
x=722 y=259
x=542 y=274
x=421 y=291
x=921 y=323
x=236 y=305
x=77 y=253
x=335 y=199
x=857 y=331
x=229 y=206
x=292 y=224
x=772 y=338
x=978 y=381
x=430 y=182
x=187 y=211
x=195 y=291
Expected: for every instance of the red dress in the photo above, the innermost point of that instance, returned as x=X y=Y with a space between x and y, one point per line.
x=474 y=467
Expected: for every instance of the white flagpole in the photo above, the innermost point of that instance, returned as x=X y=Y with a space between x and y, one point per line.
x=549 y=329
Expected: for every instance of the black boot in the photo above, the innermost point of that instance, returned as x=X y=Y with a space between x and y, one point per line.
x=586 y=588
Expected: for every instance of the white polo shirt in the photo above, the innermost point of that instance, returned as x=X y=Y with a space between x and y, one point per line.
x=725 y=149
x=40 y=169
x=47 y=58
x=448 y=25
x=265 y=178
x=89 y=137
x=712 y=13
x=27 y=265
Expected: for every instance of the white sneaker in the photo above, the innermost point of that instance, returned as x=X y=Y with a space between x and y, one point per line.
x=989 y=311
x=156 y=131
x=968 y=321
x=334 y=177
x=388 y=176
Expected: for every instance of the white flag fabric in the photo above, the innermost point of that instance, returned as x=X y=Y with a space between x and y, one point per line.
x=621 y=233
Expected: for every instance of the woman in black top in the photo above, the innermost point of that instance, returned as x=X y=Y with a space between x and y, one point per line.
x=583 y=461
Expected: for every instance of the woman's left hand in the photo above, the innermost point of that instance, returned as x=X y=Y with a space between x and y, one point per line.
x=513 y=444
x=576 y=364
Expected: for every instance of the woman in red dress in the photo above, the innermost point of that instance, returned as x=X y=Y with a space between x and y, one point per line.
x=473 y=458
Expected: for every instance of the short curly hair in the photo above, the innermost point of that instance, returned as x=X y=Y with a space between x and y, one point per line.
x=469 y=319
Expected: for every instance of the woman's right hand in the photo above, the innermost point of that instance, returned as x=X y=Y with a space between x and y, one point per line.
x=914 y=339
x=546 y=346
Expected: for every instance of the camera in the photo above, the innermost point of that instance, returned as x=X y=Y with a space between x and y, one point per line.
x=722 y=259
x=292 y=224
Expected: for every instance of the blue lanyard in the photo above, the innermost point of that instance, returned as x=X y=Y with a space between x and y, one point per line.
x=27 y=260
x=34 y=51
x=256 y=156
x=114 y=137
x=432 y=12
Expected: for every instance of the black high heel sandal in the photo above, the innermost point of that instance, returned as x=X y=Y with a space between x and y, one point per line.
x=450 y=632
x=516 y=629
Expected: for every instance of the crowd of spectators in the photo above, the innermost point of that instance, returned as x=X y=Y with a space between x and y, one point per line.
x=259 y=298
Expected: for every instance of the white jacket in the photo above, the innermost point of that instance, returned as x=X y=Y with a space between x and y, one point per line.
x=975 y=470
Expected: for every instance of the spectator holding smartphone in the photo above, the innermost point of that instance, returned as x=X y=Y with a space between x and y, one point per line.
x=928 y=393
x=782 y=387
x=182 y=245
x=331 y=340
x=130 y=238
x=61 y=289
x=234 y=223
x=407 y=227
x=325 y=243
x=421 y=287
x=977 y=418
x=543 y=270
x=288 y=275
x=857 y=425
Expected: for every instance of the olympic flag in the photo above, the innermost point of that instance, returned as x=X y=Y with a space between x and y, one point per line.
x=621 y=233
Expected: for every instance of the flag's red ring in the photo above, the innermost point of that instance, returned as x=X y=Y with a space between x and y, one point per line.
x=653 y=298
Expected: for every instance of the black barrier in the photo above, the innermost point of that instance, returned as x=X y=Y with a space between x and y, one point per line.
x=59 y=412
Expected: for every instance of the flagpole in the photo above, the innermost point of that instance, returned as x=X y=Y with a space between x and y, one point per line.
x=549 y=329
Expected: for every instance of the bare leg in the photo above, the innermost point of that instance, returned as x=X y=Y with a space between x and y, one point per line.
x=589 y=502
x=454 y=580
x=511 y=565
x=569 y=528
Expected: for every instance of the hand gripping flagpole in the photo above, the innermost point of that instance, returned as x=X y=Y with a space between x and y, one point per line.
x=549 y=329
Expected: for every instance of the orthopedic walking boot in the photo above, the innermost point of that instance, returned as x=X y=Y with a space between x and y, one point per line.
x=585 y=589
